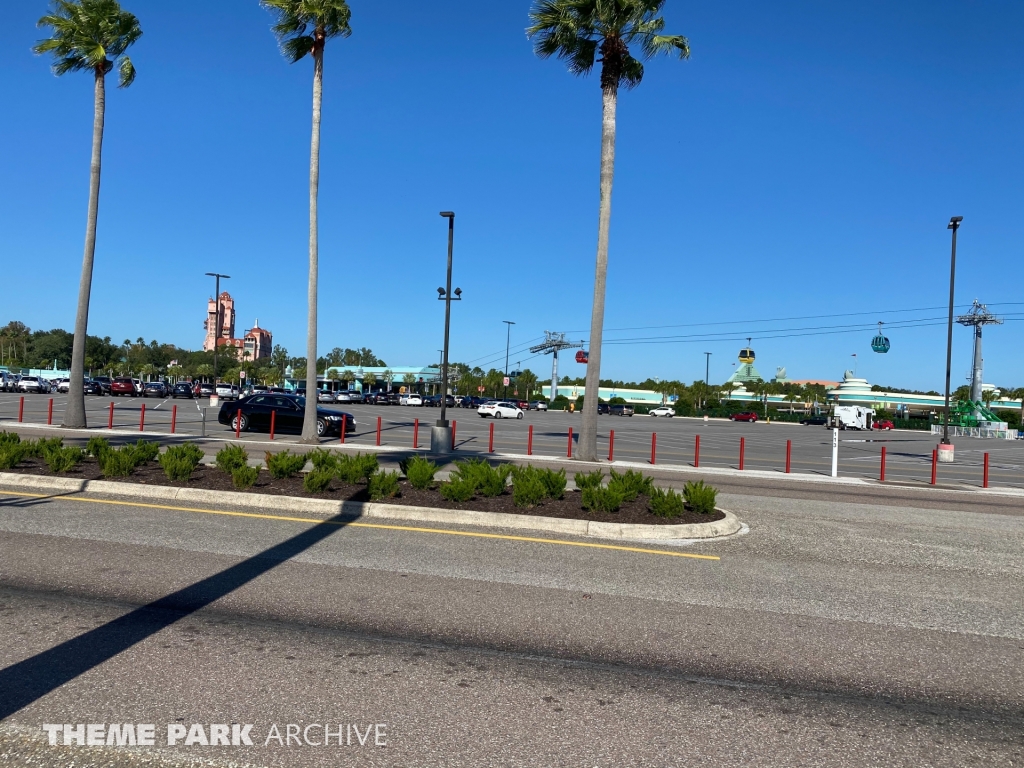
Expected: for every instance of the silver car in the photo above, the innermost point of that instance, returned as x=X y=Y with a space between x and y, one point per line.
x=35 y=384
x=323 y=396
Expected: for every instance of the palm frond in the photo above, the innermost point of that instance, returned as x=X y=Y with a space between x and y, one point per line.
x=632 y=72
x=126 y=72
x=299 y=23
x=87 y=34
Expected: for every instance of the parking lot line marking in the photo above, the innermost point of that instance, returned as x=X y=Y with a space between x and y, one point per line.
x=380 y=526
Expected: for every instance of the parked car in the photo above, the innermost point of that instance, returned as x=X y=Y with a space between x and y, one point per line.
x=123 y=386
x=815 y=421
x=538 y=405
x=621 y=409
x=745 y=416
x=137 y=383
x=475 y=402
x=8 y=382
x=603 y=409
x=347 y=396
x=258 y=389
x=33 y=384
x=253 y=413
x=227 y=391
x=663 y=410
x=64 y=385
x=204 y=389
x=103 y=382
x=500 y=410
x=325 y=396
x=155 y=389
x=413 y=399
x=90 y=387
x=182 y=389
x=882 y=424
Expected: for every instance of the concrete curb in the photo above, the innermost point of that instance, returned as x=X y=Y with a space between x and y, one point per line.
x=264 y=503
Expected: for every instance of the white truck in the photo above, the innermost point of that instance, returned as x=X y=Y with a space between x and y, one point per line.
x=851 y=417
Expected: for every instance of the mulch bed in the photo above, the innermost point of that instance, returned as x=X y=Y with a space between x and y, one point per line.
x=210 y=478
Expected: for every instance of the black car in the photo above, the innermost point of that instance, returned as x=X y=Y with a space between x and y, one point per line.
x=182 y=389
x=289 y=411
x=815 y=421
x=155 y=389
x=104 y=384
x=91 y=387
x=473 y=402
x=603 y=408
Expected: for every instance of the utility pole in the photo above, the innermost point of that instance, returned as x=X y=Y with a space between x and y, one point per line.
x=441 y=434
x=946 y=447
x=707 y=376
x=508 y=338
x=977 y=317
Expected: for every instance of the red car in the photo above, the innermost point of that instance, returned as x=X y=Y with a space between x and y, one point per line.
x=122 y=386
x=745 y=416
x=882 y=424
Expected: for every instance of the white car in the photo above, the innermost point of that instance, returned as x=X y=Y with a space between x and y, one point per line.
x=500 y=410
x=33 y=384
x=227 y=391
x=412 y=399
x=663 y=411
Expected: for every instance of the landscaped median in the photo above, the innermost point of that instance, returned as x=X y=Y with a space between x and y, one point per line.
x=477 y=493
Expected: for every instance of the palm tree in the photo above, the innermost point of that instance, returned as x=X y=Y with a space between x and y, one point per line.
x=90 y=36
x=322 y=19
x=577 y=31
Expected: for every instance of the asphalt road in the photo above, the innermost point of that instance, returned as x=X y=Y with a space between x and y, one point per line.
x=830 y=634
x=908 y=460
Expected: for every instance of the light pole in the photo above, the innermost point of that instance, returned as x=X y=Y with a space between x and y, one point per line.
x=441 y=435
x=945 y=447
x=707 y=376
x=508 y=338
x=216 y=304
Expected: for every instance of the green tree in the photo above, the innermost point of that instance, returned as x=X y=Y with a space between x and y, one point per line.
x=578 y=31
x=303 y=27
x=89 y=36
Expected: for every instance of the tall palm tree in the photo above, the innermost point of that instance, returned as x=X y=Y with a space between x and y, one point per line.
x=303 y=27
x=89 y=36
x=578 y=31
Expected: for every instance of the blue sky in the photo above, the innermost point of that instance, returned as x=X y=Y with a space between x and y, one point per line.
x=804 y=162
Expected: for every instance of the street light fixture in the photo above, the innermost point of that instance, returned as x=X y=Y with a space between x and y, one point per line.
x=441 y=435
x=508 y=337
x=945 y=447
x=216 y=304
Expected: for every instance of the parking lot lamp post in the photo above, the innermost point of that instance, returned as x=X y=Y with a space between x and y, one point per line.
x=508 y=338
x=216 y=322
x=954 y=224
x=707 y=376
x=440 y=435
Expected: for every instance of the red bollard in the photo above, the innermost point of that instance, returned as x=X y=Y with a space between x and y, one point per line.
x=881 y=471
x=529 y=442
x=789 y=453
x=21 y=409
x=453 y=434
x=935 y=465
x=984 y=480
x=238 y=423
x=273 y=423
x=110 y=418
x=49 y=413
x=142 y=417
x=611 y=445
x=743 y=442
x=416 y=434
x=654 y=445
x=378 y=430
x=490 y=439
x=344 y=427
x=696 y=451
x=174 y=417
x=569 y=454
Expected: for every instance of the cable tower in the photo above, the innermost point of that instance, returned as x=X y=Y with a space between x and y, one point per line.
x=552 y=344
x=978 y=316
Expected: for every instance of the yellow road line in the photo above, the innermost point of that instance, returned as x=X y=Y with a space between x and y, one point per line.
x=381 y=526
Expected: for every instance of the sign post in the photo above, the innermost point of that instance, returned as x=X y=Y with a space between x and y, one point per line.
x=835 y=452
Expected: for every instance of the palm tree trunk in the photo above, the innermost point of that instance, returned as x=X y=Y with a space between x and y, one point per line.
x=74 y=413
x=309 y=433
x=587 y=450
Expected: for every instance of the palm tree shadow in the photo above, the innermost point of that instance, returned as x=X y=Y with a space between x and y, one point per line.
x=26 y=681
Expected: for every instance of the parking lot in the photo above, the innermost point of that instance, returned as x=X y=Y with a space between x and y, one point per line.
x=908 y=460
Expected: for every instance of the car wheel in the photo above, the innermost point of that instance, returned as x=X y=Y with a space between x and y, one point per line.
x=321 y=427
x=497 y=414
x=244 y=426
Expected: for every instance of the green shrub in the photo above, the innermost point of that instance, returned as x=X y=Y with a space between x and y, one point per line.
x=420 y=471
x=528 y=489
x=457 y=489
x=41 y=447
x=383 y=485
x=180 y=461
x=318 y=480
x=97 y=446
x=245 y=476
x=118 y=463
x=486 y=480
x=666 y=503
x=368 y=464
x=11 y=455
x=356 y=469
x=9 y=438
x=588 y=480
x=62 y=460
x=231 y=457
x=145 y=450
x=630 y=484
x=700 y=497
x=285 y=464
x=602 y=499
x=554 y=482
x=323 y=460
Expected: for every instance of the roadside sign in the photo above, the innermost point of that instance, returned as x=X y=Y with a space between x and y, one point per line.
x=480 y=389
x=241 y=375
x=505 y=381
